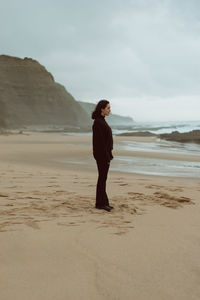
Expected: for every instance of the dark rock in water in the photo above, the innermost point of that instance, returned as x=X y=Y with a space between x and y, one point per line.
x=116 y=121
x=185 y=137
x=139 y=133
x=30 y=98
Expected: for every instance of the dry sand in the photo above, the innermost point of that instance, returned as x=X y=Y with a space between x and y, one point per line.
x=56 y=245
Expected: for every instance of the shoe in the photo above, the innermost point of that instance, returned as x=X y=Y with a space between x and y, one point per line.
x=111 y=207
x=107 y=208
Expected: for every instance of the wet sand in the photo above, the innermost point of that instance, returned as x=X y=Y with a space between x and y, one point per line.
x=56 y=245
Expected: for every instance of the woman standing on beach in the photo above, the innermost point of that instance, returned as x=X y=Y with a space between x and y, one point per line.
x=102 y=151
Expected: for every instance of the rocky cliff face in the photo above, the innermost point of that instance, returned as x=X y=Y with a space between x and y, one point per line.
x=29 y=96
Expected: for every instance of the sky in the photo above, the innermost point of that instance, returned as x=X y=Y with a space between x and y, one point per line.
x=141 y=55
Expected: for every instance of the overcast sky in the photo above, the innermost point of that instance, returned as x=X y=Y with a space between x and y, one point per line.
x=141 y=55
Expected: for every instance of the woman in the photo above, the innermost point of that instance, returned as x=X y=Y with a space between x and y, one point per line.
x=102 y=151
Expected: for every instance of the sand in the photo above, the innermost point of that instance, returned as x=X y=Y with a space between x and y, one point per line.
x=56 y=245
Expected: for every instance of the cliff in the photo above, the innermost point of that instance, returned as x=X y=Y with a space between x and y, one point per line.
x=29 y=96
x=116 y=121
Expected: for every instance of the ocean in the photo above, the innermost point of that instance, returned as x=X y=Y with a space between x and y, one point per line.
x=154 y=166
x=162 y=127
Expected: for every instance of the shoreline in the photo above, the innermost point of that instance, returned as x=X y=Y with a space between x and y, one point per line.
x=71 y=152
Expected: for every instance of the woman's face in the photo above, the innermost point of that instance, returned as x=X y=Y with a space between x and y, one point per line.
x=106 y=111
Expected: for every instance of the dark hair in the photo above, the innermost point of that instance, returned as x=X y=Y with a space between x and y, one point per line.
x=100 y=105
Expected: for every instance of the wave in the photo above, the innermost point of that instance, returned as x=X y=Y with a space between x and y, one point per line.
x=162 y=127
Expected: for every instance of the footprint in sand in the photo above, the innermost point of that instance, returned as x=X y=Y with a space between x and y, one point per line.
x=167 y=196
x=15 y=186
x=30 y=197
x=171 y=201
x=68 y=224
x=120 y=232
x=177 y=189
x=135 y=194
x=32 y=224
x=118 y=181
x=3 y=195
x=153 y=186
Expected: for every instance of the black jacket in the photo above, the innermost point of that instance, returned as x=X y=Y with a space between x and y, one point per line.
x=102 y=140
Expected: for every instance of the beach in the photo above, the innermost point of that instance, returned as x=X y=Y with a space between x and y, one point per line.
x=56 y=245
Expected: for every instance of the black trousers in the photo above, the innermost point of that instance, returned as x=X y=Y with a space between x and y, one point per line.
x=101 y=196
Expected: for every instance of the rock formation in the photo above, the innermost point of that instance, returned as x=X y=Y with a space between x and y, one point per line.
x=176 y=136
x=30 y=97
x=191 y=136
